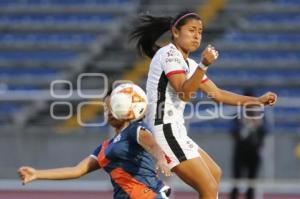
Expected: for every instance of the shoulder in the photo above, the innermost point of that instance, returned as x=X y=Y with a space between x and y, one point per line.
x=131 y=129
x=169 y=50
x=97 y=150
x=132 y=132
x=138 y=123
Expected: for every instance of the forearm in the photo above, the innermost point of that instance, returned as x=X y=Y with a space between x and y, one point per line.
x=58 y=174
x=191 y=85
x=230 y=98
x=155 y=150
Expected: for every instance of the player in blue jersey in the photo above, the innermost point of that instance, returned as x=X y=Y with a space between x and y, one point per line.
x=126 y=158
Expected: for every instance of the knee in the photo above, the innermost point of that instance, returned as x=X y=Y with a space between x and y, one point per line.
x=218 y=174
x=210 y=190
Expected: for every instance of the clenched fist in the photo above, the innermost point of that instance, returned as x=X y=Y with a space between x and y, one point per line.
x=209 y=55
x=268 y=98
x=27 y=174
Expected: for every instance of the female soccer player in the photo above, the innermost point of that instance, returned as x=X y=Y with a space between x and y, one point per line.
x=172 y=79
x=126 y=158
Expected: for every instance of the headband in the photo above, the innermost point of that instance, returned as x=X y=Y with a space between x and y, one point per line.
x=184 y=16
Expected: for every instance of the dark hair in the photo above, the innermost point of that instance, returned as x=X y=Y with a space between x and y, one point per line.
x=151 y=28
x=109 y=87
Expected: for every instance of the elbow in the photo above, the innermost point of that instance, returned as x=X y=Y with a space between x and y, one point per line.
x=78 y=172
x=185 y=93
x=185 y=96
x=79 y=175
x=185 y=99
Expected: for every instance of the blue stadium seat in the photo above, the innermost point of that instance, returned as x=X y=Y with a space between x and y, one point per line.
x=281 y=92
x=60 y=2
x=40 y=36
x=22 y=87
x=259 y=55
x=43 y=55
x=28 y=71
x=55 y=18
x=286 y=127
x=47 y=37
x=253 y=73
x=287 y=110
x=275 y=18
x=255 y=55
x=6 y=108
x=287 y=2
x=261 y=38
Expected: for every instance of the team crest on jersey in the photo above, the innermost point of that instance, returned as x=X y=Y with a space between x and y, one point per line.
x=172 y=53
x=147 y=190
x=117 y=138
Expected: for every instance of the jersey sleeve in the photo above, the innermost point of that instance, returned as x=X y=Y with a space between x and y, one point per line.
x=134 y=133
x=172 y=63
x=204 y=79
x=95 y=153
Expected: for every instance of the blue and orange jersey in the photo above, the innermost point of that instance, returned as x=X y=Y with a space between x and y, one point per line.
x=131 y=168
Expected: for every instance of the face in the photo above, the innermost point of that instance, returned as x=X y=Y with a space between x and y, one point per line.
x=110 y=118
x=189 y=36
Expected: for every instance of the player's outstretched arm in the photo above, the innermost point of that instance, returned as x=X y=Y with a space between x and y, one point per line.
x=230 y=98
x=148 y=142
x=29 y=174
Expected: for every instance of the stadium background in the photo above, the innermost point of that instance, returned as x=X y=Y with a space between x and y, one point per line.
x=47 y=44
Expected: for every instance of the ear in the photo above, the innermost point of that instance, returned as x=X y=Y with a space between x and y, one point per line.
x=175 y=32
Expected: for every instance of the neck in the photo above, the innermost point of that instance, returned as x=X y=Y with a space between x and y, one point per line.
x=120 y=128
x=184 y=53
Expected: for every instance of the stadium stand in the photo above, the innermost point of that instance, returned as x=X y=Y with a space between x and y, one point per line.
x=46 y=40
x=259 y=49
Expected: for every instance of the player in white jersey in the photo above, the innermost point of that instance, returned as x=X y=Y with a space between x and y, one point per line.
x=172 y=79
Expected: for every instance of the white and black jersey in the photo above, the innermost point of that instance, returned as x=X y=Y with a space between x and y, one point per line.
x=165 y=110
x=165 y=106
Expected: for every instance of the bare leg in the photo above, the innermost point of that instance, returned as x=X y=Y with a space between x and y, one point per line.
x=196 y=173
x=212 y=165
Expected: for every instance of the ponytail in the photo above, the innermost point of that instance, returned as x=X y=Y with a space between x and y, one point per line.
x=151 y=28
x=148 y=32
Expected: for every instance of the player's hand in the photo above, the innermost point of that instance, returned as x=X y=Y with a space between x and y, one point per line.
x=162 y=166
x=268 y=98
x=209 y=55
x=27 y=174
